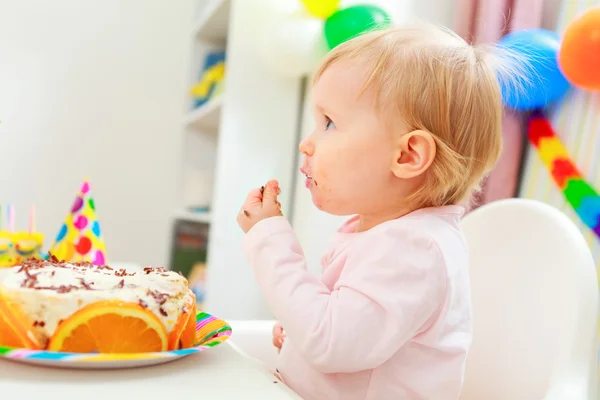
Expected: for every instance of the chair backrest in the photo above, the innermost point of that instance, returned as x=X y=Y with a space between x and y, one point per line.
x=535 y=301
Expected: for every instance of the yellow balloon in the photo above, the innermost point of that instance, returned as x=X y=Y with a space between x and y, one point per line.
x=321 y=8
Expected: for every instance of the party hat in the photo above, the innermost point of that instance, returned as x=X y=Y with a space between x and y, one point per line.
x=80 y=239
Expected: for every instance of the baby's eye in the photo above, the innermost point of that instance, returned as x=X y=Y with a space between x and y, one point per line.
x=329 y=124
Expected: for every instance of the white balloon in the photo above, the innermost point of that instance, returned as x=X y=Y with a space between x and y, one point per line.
x=294 y=45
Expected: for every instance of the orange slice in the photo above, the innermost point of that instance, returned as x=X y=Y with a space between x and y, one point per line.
x=110 y=326
x=183 y=335
x=15 y=327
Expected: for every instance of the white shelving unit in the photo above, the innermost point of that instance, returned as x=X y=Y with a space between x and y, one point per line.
x=205 y=118
x=213 y=23
x=234 y=142
x=201 y=124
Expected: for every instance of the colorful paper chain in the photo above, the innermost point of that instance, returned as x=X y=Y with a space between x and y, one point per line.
x=579 y=194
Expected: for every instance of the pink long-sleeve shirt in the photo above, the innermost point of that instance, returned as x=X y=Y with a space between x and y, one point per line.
x=389 y=317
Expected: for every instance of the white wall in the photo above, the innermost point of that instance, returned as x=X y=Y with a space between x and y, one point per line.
x=95 y=88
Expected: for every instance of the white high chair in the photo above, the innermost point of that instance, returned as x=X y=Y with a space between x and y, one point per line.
x=535 y=305
x=535 y=299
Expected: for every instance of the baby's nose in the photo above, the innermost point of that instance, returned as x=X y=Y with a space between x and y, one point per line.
x=307 y=146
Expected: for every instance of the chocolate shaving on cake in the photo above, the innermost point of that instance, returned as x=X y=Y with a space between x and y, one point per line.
x=161 y=298
x=86 y=264
x=158 y=270
x=58 y=289
x=52 y=273
x=143 y=303
x=121 y=284
x=163 y=312
x=66 y=288
x=121 y=272
x=85 y=284
x=41 y=324
x=52 y=261
x=29 y=283
x=52 y=258
x=30 y=279
x=33 y=263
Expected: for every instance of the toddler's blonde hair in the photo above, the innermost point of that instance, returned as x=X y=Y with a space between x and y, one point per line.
x=433 y=80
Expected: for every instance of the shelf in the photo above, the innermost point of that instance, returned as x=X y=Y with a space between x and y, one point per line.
x=213 y=23
x=191 y=216
x=207 y=116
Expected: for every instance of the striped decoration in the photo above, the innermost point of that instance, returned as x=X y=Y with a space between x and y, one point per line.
x=578 y=193
x=576 y=121
x=210 y=332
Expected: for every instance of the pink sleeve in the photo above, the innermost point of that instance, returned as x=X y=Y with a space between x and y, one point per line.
x=389 y=291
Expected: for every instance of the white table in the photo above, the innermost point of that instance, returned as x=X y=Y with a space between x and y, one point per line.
x=220 y=373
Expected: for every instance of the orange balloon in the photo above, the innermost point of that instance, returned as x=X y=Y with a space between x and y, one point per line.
x=579 y=54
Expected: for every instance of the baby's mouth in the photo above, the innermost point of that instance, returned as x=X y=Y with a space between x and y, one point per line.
x=309 y=180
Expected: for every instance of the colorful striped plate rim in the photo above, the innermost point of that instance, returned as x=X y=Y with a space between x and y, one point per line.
x=210 y=332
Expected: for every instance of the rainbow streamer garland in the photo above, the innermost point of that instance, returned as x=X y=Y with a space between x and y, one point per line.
x=579 y=194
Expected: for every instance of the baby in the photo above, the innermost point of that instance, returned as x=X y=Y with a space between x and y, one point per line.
x=408 y=122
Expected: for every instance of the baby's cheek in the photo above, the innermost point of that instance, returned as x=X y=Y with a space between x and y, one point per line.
x=328 y=199
x=323 y=174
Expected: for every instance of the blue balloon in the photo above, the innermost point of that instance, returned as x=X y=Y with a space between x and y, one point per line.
x=543 y=82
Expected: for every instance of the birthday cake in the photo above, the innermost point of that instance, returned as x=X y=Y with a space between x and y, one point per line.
x=81 y=307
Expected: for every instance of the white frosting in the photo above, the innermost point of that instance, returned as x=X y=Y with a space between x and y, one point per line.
x=48 y=293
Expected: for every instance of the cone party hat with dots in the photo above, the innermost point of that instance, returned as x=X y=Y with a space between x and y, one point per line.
x=80 y=239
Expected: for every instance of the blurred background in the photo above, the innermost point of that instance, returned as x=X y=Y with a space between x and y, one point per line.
x=165 y=114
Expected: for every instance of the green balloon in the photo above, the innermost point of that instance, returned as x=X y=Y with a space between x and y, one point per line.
x=353 y=21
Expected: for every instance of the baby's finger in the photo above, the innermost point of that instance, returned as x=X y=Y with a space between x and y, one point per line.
x=255 y=196
x=271 y=192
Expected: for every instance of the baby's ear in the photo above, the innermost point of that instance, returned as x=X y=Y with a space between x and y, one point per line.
x=415 y=151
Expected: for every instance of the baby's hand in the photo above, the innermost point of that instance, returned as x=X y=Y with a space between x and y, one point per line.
x=278 y=336
x=260 y=204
